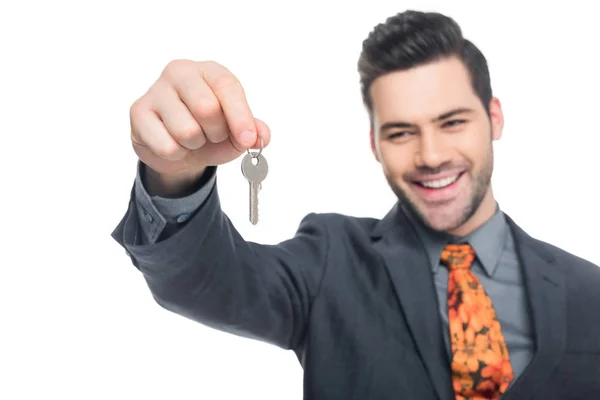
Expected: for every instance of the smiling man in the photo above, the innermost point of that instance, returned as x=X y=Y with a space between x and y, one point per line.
x=445 y=298
x=433 y=136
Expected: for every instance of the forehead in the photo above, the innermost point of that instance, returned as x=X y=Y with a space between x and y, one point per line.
x=423 y=92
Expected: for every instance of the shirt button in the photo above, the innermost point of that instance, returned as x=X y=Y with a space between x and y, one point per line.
x=148 y=216
x=183 y=217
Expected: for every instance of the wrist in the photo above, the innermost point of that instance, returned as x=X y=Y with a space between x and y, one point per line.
x=171 y=185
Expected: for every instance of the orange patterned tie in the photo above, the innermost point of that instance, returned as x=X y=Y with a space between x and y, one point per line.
x=480 y=363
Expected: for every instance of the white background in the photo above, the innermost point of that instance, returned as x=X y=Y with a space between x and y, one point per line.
x=77 y=320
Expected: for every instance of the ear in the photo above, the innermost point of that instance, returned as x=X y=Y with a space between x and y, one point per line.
x=373 y=147
x=497 y=118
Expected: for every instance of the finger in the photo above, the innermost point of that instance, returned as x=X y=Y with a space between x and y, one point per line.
x=176 y=117
x=148 y=130
x=265 y=134
x=203 y=106
x=232 y=98
x=220 y=153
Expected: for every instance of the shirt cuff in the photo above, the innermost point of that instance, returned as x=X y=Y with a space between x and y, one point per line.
x=155 y=213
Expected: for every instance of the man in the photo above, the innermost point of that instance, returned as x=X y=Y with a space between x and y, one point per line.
x=444 y=298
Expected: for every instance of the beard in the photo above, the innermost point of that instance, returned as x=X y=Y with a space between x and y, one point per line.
x=457 y=214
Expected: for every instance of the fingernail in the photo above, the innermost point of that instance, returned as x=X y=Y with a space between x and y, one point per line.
x=248 y=138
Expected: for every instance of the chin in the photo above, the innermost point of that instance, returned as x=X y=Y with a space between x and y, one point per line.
x=441 y=217
x=448 y=217
x=451 y=207
x=444 y=221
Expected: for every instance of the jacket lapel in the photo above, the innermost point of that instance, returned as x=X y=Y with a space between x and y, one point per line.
x=546 y=287
x=407 y=264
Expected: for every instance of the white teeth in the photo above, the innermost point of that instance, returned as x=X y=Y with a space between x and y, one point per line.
x=440 y=183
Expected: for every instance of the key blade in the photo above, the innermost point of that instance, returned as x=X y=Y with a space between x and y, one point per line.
x=255 y=169
x=254 y=189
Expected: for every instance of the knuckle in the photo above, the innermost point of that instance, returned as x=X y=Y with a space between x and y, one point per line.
x=226 y=80
x=207 y=109
x=169 y=152
x=211 y=64
x=188 y=132
x=137 y=109
x=175 y=67
x=219 y=76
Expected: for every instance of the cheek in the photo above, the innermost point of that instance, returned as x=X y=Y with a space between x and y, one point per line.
x=472 y=146
x=395 y=160
x=477 y=150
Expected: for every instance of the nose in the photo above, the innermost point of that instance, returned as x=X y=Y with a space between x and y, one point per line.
x=431 y=151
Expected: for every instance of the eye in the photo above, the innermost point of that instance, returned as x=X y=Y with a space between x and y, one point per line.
x=399 y=135
x=453 y=122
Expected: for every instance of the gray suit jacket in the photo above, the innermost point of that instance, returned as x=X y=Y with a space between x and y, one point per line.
x=353 y=298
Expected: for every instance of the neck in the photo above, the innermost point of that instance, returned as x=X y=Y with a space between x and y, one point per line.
x=484 y=212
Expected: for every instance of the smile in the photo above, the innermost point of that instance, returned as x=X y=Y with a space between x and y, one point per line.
x=440 y=183
x=442 y=190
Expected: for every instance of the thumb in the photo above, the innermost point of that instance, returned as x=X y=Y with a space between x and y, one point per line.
x=245 y=139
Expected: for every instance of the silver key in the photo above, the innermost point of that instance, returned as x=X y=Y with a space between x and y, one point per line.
x=255 y=169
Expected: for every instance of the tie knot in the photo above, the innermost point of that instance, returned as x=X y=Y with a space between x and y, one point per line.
x=456 y=256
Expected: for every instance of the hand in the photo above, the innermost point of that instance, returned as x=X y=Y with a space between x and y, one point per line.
x=195 y=115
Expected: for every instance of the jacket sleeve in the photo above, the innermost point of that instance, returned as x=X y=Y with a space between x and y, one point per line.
x=207 y=272
x=160 y=217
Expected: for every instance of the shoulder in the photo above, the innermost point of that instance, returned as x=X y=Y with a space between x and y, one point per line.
x=577 y=267
x=341 y=224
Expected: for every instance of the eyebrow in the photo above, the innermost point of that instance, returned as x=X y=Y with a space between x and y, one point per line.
x=441 y=117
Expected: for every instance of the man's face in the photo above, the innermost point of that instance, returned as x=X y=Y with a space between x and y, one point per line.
x=433 y=139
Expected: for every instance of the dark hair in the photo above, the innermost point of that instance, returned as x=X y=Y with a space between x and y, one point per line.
x=414 y=38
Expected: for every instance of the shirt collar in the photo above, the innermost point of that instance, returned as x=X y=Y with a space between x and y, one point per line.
x=488 y=241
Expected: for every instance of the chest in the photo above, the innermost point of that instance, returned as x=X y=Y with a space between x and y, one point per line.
x=360 y=346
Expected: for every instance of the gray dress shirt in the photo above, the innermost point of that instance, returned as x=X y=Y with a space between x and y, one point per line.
x=497 y=266
x=161 y=217
x=498 y=269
